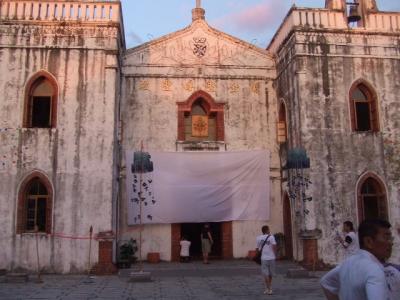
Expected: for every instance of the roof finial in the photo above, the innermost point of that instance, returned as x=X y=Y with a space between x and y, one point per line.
x=198 y=13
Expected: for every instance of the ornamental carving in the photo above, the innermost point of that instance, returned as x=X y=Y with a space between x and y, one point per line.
x=188 y=86
x=234 y=88
x=166 y=85
x=255 y=88
x=144 y=85
x=199 y=47
x=211 y=86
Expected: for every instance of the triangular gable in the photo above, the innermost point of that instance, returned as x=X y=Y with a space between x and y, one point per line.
x=199 y=44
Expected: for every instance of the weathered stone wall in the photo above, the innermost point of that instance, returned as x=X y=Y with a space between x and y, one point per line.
x=77 y=156
x=159 y=74
x=316 y=71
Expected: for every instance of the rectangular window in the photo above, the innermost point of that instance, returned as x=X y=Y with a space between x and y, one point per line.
x=41 y=112
x=41 y=214
x=30 y=215
x=363 y=116
x=36 y=214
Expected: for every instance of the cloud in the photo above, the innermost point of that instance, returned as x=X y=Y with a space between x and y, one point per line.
x=255 y=18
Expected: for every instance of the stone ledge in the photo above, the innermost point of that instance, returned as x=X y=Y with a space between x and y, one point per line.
x=16 y=278
x=139 y=277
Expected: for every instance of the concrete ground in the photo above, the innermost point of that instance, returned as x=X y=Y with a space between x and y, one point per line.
x=222 y=280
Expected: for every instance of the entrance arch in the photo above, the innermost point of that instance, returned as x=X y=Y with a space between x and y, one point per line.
x=222 y=232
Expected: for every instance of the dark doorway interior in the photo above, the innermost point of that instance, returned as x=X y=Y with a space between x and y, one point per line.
x=371 y=208
x=287 y=225
x=193 y=230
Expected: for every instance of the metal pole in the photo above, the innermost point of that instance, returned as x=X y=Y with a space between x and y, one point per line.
x=140 y=209
x=90 y=247
x=39 y=279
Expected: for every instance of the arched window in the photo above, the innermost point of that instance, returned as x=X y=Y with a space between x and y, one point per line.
x=34 y=205
x=200 y=118
x=41 y=102
x=363 y=108
x=282 y=124
x=372 y=202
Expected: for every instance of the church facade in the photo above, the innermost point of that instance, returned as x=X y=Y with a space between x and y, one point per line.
x=321 y=100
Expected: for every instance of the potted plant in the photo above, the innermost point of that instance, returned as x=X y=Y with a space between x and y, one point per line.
x=126 y=253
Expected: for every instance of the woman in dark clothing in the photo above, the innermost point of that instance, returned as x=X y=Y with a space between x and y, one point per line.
x=206 y=242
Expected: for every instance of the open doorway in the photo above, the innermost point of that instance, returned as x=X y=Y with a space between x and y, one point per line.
x=287 y=227
x=193 y=230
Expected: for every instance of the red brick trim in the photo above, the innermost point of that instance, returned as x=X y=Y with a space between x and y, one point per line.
x=21 y=205
x=227 y=240
x=29 y=88
x=211 y=108
x=175 y=239
x=310 y=252
x=381 y=195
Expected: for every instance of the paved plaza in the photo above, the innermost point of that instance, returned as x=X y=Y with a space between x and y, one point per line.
x=222 y=280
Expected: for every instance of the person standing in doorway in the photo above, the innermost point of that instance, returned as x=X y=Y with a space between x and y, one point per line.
x=267 y=244
x=185 y=246
x=206 y=242
x=350 y=241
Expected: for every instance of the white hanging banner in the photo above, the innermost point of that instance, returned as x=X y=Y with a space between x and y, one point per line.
x=196 y=187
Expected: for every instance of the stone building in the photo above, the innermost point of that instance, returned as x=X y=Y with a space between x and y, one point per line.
x=321 y=100
x=339 y=99
x=60 y=93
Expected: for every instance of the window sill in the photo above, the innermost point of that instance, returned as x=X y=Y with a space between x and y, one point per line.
x=366 y=133
x=24 y=129
x=33 y=234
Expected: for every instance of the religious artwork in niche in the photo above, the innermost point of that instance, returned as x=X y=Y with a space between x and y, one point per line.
x=200 y=126
x=199 y=47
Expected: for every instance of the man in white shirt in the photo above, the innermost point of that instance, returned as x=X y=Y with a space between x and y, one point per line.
x=267 y=244
x=361 y=276
x=350 y=241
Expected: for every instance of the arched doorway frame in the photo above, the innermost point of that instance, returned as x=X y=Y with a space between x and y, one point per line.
x=359 y=202
x=21 y=207
x=30 y=85
x=372 y=96
x=212 y=107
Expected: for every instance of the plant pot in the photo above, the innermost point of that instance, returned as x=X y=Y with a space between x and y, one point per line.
x=153 y=257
